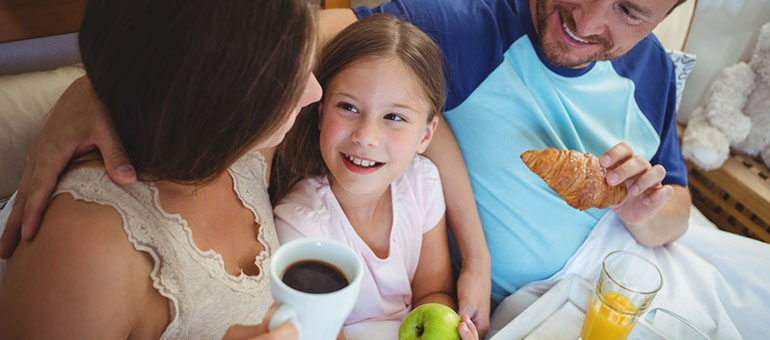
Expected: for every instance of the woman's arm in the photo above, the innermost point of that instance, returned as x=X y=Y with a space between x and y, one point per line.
x=79 y=279
x=474 y=284
x=432 y=280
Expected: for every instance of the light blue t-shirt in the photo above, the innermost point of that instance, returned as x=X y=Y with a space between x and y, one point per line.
x=505 y=98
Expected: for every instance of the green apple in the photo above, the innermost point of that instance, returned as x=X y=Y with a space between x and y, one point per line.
x=431 y=321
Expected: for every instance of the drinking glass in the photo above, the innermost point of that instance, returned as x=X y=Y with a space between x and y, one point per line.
x=625 y=288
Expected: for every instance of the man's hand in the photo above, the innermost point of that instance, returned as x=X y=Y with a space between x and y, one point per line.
x=649 y=212
x=261 y=331
x=473 y=294
x=646 y=193
x=76 y=124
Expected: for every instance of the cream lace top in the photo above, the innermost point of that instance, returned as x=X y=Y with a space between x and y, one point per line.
x=204 y=300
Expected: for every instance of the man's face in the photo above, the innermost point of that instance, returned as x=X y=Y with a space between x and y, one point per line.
x=573 y=33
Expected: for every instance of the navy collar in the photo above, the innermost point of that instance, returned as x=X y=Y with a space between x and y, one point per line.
x=525 y=16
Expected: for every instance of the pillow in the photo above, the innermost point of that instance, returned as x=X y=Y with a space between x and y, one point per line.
x=25 y=99
x=683 y=65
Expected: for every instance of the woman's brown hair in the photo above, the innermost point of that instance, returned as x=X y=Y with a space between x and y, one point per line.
x=191 y=85
x=381 y=35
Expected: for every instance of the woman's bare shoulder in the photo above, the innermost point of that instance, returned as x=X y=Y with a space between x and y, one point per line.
x=79 y=271
x=80 y=231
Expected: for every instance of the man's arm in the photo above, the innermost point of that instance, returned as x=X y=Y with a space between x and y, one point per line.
x=332 y=21
x=669 y=222
x=654 y=213
x=474 y=284
x=77 y=123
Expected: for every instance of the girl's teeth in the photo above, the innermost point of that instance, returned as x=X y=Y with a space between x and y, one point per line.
x=361 y=162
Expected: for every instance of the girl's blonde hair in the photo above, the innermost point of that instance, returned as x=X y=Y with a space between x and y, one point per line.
x=381 y=35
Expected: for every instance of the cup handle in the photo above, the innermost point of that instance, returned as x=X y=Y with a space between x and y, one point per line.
x=282 y=314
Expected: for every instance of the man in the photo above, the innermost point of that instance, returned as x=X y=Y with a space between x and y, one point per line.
x=523 y=74
x=571 y=74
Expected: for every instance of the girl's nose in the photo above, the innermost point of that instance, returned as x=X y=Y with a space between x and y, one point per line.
x=366 y=133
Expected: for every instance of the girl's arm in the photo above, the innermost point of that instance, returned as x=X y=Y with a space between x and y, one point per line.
x=432 y=281
x=474 y=284
x=79 y=279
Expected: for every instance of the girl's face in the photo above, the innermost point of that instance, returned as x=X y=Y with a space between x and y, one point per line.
x=373 y=121
x=311 y=94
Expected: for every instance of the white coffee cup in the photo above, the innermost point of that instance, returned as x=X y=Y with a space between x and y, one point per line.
x=316 y=316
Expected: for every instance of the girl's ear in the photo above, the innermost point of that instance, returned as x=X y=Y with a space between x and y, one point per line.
x=430 y=129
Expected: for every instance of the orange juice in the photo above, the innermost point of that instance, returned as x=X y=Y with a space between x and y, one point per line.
x=607 y=323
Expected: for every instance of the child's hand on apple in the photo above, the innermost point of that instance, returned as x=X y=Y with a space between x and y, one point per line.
x=467 y=329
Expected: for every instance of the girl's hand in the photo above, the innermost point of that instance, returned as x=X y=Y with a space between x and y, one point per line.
x=473 y=294
x=467 y=329
x=77 y=123
x=261 y=331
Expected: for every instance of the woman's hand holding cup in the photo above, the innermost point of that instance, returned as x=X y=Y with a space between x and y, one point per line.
x=309 y=276
x=286 y=331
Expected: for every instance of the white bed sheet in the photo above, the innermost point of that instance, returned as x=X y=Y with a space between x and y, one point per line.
x=717 y=280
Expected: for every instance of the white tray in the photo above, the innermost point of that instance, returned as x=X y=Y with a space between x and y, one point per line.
x=559 y=314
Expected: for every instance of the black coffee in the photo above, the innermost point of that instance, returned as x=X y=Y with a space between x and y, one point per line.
x=315 y=277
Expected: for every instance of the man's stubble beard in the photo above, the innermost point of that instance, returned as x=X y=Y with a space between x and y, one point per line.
x=557 y=52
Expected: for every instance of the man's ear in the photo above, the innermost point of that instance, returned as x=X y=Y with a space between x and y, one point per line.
x=430 y=130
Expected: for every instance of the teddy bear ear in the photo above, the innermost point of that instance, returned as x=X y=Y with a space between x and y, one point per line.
x=760 y=57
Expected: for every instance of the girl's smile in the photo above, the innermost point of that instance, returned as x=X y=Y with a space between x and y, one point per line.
x=361 y=165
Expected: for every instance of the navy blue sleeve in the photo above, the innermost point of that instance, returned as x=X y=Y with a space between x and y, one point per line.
x=473 y=35
x=652 y=71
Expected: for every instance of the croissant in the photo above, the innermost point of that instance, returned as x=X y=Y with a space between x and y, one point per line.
x=576 y=177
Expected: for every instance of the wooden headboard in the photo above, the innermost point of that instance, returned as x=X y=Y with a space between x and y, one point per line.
x=26 y=19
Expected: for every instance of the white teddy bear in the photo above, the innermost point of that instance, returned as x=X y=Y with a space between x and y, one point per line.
x=736 y=112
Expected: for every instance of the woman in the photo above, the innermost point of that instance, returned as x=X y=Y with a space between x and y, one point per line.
x=200 y=92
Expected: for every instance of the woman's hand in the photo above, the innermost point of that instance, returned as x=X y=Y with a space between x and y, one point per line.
x=473 y=294
x=467 y=329
x=76 y=124
x=261 y=331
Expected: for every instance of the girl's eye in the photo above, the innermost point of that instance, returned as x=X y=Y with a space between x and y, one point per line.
x=394 y=117
x=348 y=107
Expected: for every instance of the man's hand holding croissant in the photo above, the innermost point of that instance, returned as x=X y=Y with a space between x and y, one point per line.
x=646 y=193
x=655 y=214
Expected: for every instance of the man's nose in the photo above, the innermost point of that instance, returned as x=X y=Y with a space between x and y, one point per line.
x=591 y=18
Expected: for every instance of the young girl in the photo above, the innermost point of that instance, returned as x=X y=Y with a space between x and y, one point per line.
x=365 y=183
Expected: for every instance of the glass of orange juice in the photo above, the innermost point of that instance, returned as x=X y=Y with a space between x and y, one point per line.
x=625 y=288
